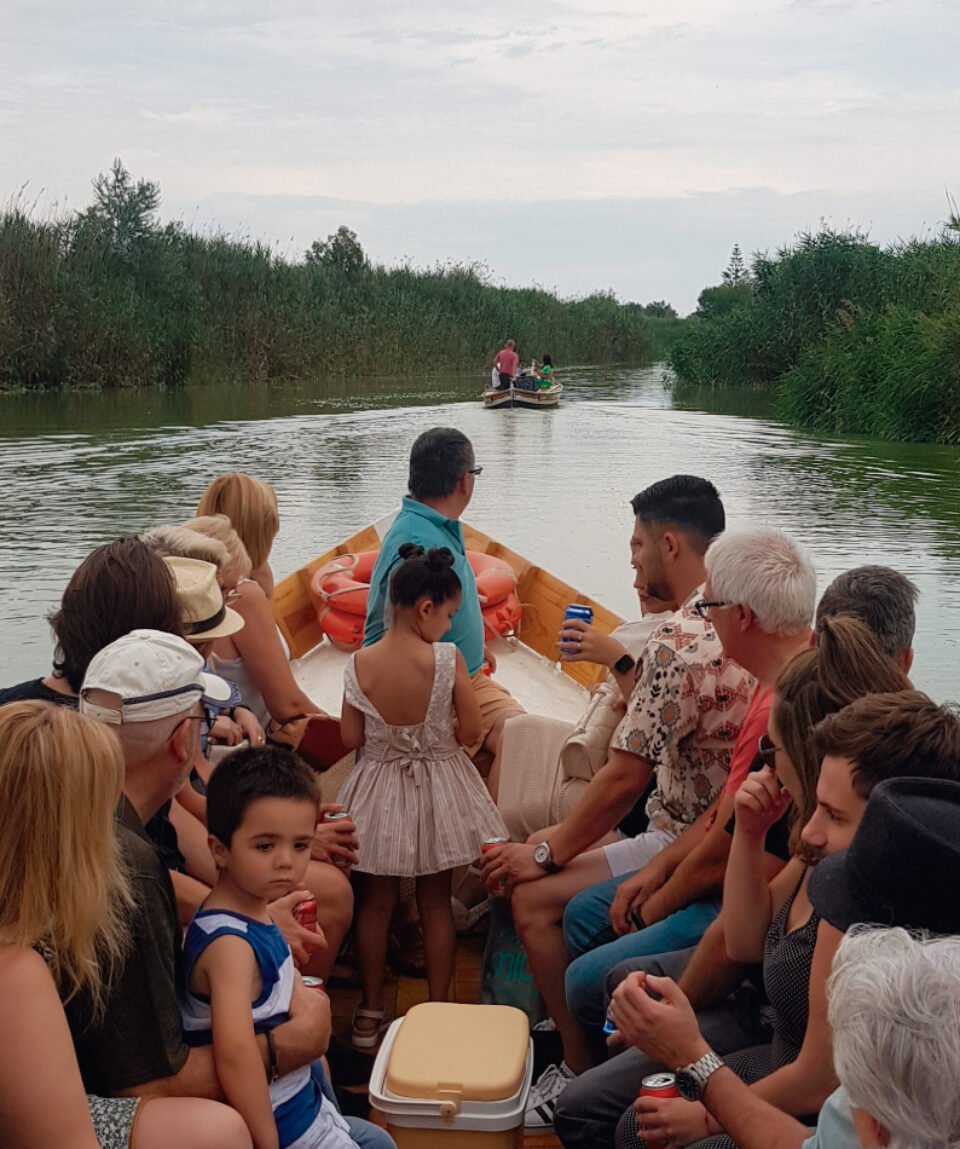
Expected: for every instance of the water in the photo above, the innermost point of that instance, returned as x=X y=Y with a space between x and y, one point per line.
x=79 y=469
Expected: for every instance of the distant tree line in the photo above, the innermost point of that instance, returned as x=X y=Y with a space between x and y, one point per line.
x=853 y=338
x=111 y=297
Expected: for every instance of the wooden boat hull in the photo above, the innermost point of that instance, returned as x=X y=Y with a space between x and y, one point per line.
x=527 y=665
x=518 y=397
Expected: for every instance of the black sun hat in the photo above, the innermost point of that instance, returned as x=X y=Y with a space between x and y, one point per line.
x=903 y=866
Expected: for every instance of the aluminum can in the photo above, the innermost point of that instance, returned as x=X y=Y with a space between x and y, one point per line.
x=305 y=913
x=338 y=816
x=315 y=983
x=608 y=1025
x=580 y=613
x=491 y=844
x=659 y=1085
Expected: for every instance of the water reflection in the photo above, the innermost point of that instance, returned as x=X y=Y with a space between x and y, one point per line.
x=79 y=469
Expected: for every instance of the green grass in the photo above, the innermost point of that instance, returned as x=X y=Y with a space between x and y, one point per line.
x=852 y=338
x=109 y=297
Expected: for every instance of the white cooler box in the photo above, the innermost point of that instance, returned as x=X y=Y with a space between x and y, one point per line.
x=451 y=1075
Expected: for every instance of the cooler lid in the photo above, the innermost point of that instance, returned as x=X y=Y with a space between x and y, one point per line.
x=472 y=1052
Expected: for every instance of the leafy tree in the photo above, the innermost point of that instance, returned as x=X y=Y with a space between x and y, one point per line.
x=341 y=252
x=736 y=272
x=123 y=209
x=660 y=309
x=720 y=300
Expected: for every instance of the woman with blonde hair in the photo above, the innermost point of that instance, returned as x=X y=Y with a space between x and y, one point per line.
x=60 y=940
x=254 y=659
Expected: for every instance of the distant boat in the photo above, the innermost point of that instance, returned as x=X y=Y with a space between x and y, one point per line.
x=525 y=392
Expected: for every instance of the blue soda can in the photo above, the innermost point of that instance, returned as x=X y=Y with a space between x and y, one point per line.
x=575 y=611
x=608 y=1025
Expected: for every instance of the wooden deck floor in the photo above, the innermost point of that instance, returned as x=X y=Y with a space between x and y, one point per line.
x=405 y=992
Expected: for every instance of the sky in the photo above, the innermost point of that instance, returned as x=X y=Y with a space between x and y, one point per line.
x=581 y=145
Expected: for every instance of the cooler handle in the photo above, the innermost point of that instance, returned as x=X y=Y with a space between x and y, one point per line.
x=449 y=1097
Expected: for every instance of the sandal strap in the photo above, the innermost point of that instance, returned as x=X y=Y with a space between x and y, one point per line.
x=370 y=1014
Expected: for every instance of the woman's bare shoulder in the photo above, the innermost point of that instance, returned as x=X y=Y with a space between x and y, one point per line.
x=23 y=970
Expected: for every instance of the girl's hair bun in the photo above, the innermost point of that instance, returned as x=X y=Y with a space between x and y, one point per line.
x=410 y=551
x=439 y=559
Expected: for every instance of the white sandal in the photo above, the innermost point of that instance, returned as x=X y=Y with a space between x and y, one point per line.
x=368 y=1038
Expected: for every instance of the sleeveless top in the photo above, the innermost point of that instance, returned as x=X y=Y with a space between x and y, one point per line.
x=787 y=957
x=302 y=1113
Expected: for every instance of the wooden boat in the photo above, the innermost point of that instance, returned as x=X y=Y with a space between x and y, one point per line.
x=526 y=664
x=533 y=396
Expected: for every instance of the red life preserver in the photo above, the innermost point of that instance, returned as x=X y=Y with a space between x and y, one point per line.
x=340 y=589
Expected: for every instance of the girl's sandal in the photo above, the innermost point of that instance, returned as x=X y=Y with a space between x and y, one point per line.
x=368 y=1038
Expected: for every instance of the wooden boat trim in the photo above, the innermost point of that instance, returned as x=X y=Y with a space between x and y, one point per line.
x=543 y=595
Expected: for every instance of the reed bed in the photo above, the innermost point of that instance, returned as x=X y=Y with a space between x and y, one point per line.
x=853 y=338
x=110 y=297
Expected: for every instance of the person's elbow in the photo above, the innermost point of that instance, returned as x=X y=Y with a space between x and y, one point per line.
x=624 y=776
x=741 y=949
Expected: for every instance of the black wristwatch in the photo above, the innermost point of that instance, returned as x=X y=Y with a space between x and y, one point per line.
x=624 y=664
x=543 y=856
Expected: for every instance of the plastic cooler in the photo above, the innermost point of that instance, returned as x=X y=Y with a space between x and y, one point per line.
x=452 y=1075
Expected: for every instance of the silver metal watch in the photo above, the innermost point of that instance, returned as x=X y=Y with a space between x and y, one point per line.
x=543 y=856
x=692 y=1079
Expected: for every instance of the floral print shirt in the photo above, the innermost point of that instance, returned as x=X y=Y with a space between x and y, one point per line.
x=684 y=716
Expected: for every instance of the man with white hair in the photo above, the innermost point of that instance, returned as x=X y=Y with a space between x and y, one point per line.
x=759 y=596
x=894 y=999
x=151 y=689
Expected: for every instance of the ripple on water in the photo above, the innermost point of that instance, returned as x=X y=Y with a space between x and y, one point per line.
x=556 y=485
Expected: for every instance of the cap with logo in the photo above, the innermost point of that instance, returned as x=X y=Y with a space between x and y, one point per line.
x=153 y=675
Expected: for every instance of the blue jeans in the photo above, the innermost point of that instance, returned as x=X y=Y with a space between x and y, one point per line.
x=365 y=1133
x=596 y=949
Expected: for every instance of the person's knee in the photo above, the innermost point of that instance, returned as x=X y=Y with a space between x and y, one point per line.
x=331 y=887
x=530 y=909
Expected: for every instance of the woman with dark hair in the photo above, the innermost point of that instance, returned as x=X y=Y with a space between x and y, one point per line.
x=119 y=587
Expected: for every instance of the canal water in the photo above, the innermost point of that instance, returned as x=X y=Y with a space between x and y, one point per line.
x=79 y=469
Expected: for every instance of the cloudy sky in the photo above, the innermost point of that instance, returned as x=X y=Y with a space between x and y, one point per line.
x=580 y=144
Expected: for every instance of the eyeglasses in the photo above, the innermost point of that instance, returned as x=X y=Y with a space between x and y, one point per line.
x=702 y=607
x=766 y=750
x=475 y=471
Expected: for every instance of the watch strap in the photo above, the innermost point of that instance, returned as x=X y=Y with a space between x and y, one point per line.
x=699 y=1073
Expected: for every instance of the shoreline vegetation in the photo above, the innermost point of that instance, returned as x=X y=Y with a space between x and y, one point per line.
x=850 y=337
x=109 y=297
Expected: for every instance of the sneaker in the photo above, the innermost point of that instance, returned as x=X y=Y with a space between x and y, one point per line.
x=548 y=1025
x=544 y=1094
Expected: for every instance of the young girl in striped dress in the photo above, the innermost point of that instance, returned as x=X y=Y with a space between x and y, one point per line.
x=418 y=802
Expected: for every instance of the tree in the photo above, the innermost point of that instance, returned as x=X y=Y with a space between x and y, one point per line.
x=123 y=208
x=341 y=252
x=736 y=272
x=660 y=309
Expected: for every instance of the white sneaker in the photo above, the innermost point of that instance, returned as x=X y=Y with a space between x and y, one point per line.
x=544 y=1094
x=548 y=1025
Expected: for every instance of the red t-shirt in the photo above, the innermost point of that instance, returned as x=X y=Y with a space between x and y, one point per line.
x=745 y=748
x=507 y=361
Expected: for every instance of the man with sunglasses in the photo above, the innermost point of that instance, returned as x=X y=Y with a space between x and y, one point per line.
x=443 y=474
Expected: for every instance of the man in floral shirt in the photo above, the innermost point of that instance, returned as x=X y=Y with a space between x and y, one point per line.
x=683 y=717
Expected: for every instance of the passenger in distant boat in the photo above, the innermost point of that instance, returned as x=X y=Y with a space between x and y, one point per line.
x=506 y=364
x=545 y=373
x=682 y=721
x=443 y=474
x=60 y=780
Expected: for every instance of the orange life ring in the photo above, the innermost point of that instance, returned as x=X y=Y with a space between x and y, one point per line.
x=340 y=589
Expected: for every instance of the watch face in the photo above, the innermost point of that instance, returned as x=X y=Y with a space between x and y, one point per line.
x=688 y=1086
x=541 y=853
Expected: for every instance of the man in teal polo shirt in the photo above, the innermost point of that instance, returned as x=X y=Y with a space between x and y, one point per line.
x=443 y=472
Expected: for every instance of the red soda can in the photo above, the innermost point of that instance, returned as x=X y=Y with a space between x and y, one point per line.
x=491 y=844
x=338 y=816
x=315 y=983
x=306 y=914
x=658 y=1085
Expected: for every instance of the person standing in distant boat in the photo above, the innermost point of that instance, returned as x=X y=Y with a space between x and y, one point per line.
x=506 y=363
x=545 y=373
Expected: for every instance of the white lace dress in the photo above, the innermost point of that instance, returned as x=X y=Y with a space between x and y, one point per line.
x=417 y=800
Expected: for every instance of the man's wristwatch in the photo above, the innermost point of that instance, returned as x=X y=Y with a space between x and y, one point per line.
x=543 y=856
x=692 y=1079
x=624 y=664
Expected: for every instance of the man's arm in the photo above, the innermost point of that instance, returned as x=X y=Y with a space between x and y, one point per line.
x=609 y=797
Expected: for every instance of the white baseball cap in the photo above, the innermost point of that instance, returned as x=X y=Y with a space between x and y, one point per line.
x=153 y=675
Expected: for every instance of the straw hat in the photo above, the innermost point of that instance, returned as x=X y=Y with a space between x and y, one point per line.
x=202 y=610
